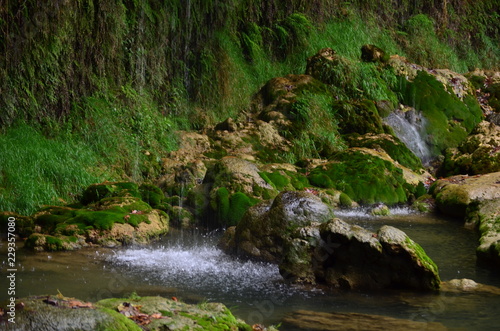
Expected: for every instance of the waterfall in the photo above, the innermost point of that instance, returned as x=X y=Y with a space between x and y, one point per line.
x=409 y=127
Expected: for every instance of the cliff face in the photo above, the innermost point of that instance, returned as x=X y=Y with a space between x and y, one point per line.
x=55 y=53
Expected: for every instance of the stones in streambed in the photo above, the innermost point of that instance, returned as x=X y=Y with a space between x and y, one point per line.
x=311 y=320
x=135 y=313
x=111 y=214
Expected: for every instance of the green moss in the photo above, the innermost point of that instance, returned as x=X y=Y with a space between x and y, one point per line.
x=222 y=204
x=425 y=259
x=345 y=200
x=363 y=177
x=97 y=192
x=152 y=195
x=276 y=179
x=391 y=145
x=239 y=204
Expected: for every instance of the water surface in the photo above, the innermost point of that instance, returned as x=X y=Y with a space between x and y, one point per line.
x=187 y=265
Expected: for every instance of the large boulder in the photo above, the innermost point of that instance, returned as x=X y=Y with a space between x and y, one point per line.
x=267 y=226
x=350 y=257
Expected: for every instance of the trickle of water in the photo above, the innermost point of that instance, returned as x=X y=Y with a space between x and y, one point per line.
x=409 y=127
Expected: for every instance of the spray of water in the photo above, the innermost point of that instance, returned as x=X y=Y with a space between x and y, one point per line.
x=202 y=267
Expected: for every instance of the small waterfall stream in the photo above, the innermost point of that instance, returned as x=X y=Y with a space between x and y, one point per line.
x=409 y=127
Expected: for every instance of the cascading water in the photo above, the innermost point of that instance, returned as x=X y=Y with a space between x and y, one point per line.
x=409 y=127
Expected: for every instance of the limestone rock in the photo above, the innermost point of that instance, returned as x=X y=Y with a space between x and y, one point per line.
x=372 y=53
x=454 y=194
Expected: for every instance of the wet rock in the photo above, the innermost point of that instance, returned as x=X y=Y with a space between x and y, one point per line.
x=266 y=226
x=465 y=285
x=309 y=320
x=454 y=194
x=476 y=199
x=350 y=257
x=486 y=217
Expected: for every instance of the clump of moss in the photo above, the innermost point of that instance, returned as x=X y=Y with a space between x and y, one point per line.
x=364 y=178
x=345 y=201
x=358 y=117
x=396 y=149
x=230 y=208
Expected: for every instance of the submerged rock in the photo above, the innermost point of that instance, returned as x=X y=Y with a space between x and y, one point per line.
x=310 y=320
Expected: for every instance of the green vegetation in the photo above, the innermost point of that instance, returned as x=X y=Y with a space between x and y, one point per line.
x=363 y=178
x=230 y=208
x=95 y=90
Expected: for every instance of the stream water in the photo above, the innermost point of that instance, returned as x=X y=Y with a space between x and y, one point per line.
x=187 y=265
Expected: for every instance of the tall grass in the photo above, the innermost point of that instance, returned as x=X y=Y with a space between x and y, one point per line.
x=36 y=170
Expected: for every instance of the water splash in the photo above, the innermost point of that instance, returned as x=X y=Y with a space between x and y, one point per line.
x=200 y=266
x=409 y=127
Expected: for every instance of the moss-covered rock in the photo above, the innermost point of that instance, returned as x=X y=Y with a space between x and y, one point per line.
x=61 y=313
x=486 y=216
x=359 y=117
x=396 y=149
x=119 y=217
x=455 y=194
x=96 y=192
x=353 y=257
x=479 y=153
x=366 y=178
x=122 y=314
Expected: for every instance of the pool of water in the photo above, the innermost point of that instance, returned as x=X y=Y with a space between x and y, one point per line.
x=189 y=266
